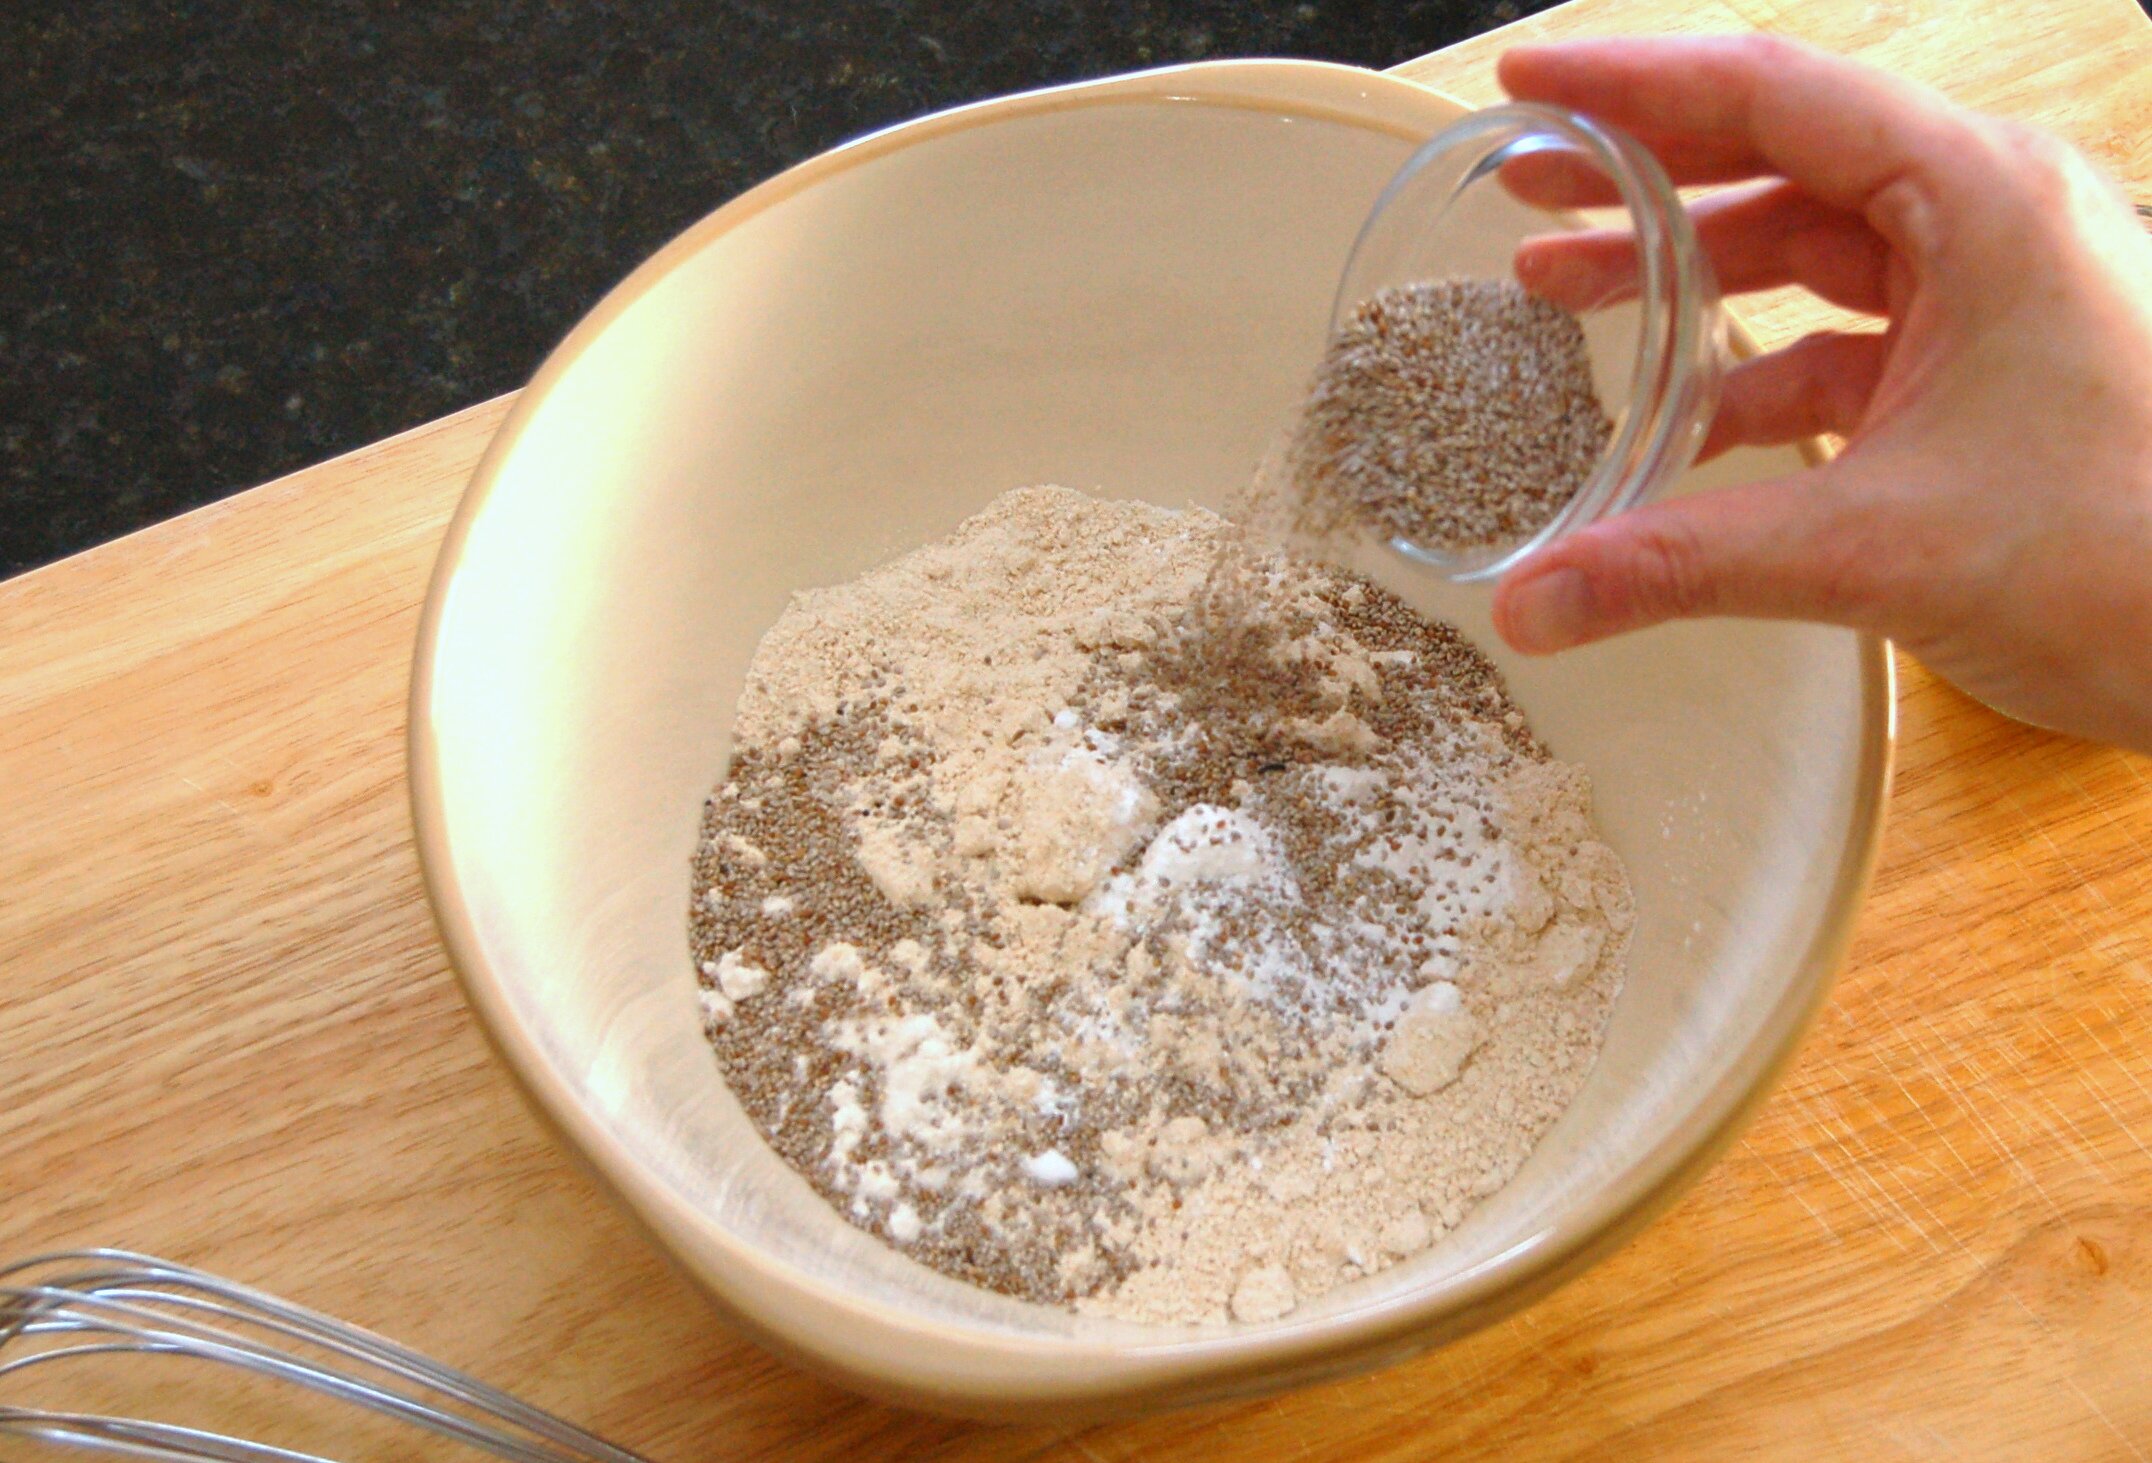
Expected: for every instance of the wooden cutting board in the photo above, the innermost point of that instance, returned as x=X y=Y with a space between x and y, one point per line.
x=227 y=1033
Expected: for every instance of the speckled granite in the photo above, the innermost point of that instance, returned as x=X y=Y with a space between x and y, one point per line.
x=237 y=238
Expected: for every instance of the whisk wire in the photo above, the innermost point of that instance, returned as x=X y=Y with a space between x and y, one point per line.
x=161 y=1440
x=114 y=1302
x=141 y=1326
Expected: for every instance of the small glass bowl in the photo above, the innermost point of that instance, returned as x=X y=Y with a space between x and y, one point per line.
x=1658 y=341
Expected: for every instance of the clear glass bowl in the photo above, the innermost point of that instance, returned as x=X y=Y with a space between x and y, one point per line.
x=1462 y=207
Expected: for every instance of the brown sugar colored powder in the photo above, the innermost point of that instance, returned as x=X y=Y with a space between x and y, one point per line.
x=1109 y=911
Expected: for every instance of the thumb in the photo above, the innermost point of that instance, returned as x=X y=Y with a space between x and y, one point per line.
x=1779 y=549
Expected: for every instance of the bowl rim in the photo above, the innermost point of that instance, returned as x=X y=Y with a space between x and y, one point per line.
x=972 y=1370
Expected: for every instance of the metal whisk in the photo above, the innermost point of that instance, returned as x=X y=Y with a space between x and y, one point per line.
x=62 y=1308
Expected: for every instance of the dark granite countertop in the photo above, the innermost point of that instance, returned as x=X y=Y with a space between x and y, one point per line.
x=238 y=238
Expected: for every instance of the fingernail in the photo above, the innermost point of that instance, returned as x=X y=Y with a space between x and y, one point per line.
x=1551 y=611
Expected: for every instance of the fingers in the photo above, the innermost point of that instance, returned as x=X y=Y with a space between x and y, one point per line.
x=1568 y=180
x=1763 y=105
x=1776 y=550
x=1781 y=234
x=1820 y=383
x=1756 y=240
x=1582 y=271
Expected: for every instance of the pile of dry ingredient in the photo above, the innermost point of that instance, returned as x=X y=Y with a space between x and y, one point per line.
x=1453 y=414
x=1108 y=912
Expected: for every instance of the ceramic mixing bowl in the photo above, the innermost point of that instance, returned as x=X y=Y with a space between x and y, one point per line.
x=1117 y=287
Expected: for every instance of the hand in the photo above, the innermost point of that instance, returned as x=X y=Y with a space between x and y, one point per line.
x=1992 y=511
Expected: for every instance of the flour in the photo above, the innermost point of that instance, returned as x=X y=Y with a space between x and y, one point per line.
x=1114 y=914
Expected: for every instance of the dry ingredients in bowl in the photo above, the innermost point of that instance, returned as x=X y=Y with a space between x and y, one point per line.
x=1453 y=414
x=1109 y=912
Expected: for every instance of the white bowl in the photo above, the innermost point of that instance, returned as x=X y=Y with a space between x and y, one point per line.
x=1117 y=287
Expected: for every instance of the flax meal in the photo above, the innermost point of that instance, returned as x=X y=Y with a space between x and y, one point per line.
x=1109 y=912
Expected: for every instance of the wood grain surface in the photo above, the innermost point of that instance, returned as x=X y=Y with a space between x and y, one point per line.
x=227 y=1033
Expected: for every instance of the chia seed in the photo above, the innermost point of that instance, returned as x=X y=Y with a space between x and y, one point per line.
x=1453 y=414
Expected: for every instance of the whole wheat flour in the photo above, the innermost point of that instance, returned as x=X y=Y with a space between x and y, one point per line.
x=1110 y=912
